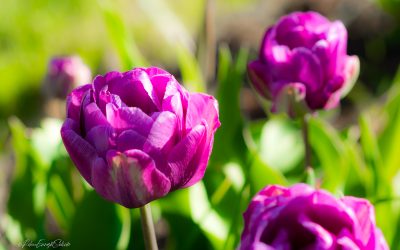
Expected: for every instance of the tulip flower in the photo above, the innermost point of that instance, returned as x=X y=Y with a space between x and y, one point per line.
x=301 y=217
x=303 y=64
x=138 y=135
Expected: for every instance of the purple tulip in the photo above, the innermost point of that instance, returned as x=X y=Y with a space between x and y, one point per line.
x=303 y=58
x=138 y=135
x=300 y=217
x=64 y=74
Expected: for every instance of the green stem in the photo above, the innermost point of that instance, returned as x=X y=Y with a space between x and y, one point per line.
x=207 y=46
x=149 y=235
x=304 y=129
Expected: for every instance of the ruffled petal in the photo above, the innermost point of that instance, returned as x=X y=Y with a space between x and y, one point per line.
x=300 y=29
x=332 y=50
x=129 y=118
x=100 y=82
x=181 y=155
x=346 y=241
x=324 y=239
x=260 y=77
x=135 y=90
x=351 y=72
x=93 y=116
x=162 y=132
x=74 y=101
x=365 y=222
x=101 y=138
x=202 y=107
x=81 y=152
x=130 y=139
x=132 y=179
x=306 y=68
x=200 y=159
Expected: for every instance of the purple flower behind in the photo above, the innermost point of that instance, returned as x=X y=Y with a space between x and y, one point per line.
x=138 y=135
x=303 y=58
x=64 y=74
x=300 y=217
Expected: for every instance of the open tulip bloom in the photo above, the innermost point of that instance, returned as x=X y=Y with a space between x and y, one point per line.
x=303 y=64
x=138 y=135
x=301 y=217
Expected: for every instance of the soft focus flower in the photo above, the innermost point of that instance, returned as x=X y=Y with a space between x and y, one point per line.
x=136 y=136
x=303 y=58
x=300 y=217
x=64 y=74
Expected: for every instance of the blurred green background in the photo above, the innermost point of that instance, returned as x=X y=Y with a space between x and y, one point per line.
x=206 y=45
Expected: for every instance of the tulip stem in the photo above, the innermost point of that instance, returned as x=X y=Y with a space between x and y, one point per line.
x=149 y=235
x=307 y=147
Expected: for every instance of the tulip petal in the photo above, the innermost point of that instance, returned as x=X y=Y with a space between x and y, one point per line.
x=201 y=107
x=81 y=152
x=300 y=29
x=351 y=72
x=200 y=160
x=364 y=213
x=101 y=138
x=155 y=71
x=130 y=139
x=132 y=180
x=174 y=105
x=331 y=51
x=162 y=132
x=100 y=82
x=128 y=118
x=160 y=83
x=260 y=77
x=306 y=68
x=74 y=101
x=93 y=116
x=181 y=155
x=346 y=242
x=324 y=239
x=105 y=97
x=135 y=90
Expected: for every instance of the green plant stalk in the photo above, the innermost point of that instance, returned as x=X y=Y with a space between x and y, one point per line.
x=149 y=235
x=307 y=147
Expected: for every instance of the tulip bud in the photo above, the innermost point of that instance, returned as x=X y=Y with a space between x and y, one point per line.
x=65 y=74
x=306 y=51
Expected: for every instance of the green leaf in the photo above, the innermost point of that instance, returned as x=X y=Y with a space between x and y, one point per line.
x=381 y=180
x=60 y=202
x=390 y=136
x=96 y=224
x=190 y=70
x=123 y=40
x=13 y=229
x=214 y=227
x=46 y=141
x=23 y=188
x=281 y=145
x=20 y=145
x=261 y=175
x=229 y=143
x=176 y=202
x=330 y=153
x=125 y=217
x=372 y=156
x=360 y=180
